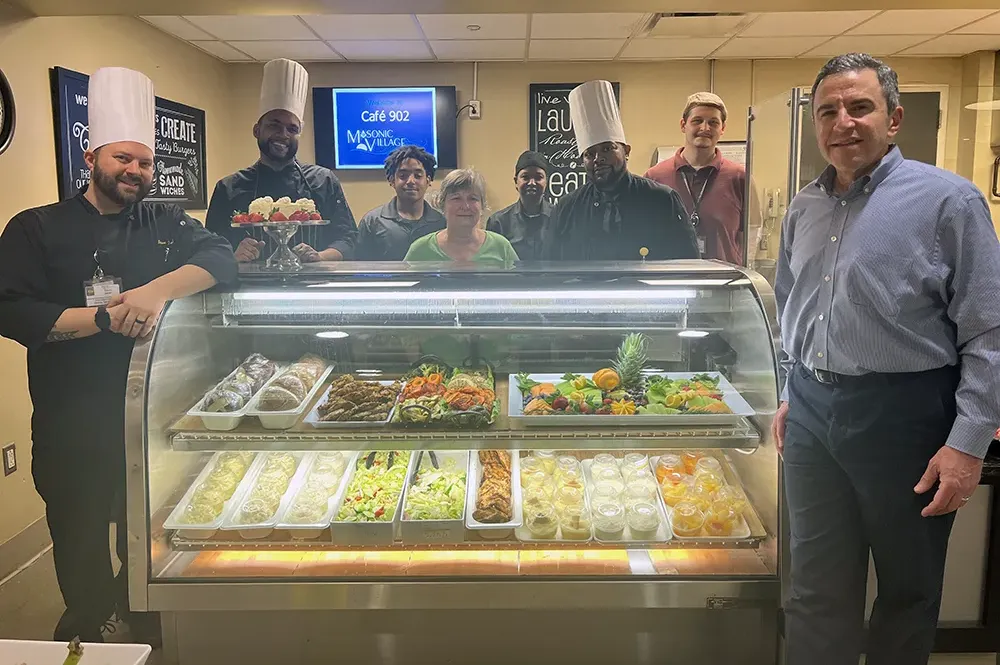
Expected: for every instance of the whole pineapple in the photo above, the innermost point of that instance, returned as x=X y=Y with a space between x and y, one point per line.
x=629 y=364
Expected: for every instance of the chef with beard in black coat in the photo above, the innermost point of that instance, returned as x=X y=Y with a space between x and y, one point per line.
x=615 y=216
x=278 y=173
x=80 y=280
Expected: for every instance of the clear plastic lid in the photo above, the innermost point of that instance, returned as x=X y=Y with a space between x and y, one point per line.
x=611 y=477
x=634 y=462
x=530 y=465
x=687 y=519
x=734 y=496
x=541 y=519
x=568 y=497
x=710 y=480
x=609 y=517
x=643 y=516
x=707 y=465
x=605 y=493
x=604 y=461
x=575 y=522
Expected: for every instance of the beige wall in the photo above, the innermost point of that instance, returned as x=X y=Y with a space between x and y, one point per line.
x=28 y=171
x=652 y=99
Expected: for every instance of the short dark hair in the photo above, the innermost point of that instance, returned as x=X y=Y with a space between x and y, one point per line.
x=856 y=62
x=405 y=152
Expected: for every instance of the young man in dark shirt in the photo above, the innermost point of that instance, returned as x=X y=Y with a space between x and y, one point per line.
x=385 y=233
x=524 y=221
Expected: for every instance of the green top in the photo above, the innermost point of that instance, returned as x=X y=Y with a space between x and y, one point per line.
x=495 y=249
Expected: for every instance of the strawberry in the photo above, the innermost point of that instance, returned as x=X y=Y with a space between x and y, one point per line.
x=241 y=219
x=299 y=216
x=255 y=218
x=315 y=216
x=278 y=217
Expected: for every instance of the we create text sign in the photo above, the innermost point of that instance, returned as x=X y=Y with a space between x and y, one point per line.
x=369 y=123
x=179 y=159
x=551 y=133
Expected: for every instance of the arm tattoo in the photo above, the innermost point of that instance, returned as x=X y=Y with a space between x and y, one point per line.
x=56 y=336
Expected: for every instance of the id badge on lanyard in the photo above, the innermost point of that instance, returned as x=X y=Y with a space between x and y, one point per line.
x=99 y=291
x=695 y=218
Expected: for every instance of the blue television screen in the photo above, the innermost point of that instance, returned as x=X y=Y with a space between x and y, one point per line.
x=357 y=128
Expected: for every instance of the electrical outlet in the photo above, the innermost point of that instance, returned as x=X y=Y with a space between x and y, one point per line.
x=475 y=109
x=9 y=459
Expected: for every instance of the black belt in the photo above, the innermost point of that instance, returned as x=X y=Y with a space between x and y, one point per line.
x=828 y=378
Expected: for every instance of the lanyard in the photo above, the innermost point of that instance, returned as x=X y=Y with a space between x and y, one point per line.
x=695 y=217
x=99 y=270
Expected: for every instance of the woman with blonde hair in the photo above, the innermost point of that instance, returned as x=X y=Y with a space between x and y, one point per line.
x=462 y=199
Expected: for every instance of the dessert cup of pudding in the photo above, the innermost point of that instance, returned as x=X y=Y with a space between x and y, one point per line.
x=255 y=511
x=687 y=520
x=707 y=465
x=569 y=478
x=720 y=519
x=611 y=477
x=568 y=497
x=603 y=461
x=643 y=520
x=575 y=523
x=605 y=493
x=689 y=458
x=609 y=521
x=547 y=458
x=533 y=496
x=639 y=493
x=634 y=462
x=734 y=496
x=674 y=493
x=667 y=465
x=567 y=463
x=541 y=520
x=530 y=465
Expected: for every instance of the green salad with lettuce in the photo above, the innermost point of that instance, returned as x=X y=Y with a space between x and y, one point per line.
x=374 y=490
x=437 y=494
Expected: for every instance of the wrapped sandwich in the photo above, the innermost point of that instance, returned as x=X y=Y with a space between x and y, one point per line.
x=237 y=389
x=289 y=390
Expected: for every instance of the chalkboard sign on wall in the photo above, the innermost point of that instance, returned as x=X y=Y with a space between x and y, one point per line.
x=180 y=144
x=551 y=133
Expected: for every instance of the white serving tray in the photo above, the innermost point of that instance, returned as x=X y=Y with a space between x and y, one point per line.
x=258 y=530
x=48 y=653
x=367 y=533
x=313 y=417
x=524 y=534
x=309 y=531
x=223 y=421
x=741 y=531
x=499 y=530
x=730 y=396
x=436 y=531
x=287 y=418
x=207 y=530
x=663 y=532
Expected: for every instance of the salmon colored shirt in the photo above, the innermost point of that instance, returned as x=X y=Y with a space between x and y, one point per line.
x=721 y=207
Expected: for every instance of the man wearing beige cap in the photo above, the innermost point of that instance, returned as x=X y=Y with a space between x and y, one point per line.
x=711 y=186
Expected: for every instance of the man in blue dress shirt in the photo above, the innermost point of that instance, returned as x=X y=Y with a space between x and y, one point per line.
x=890 y=317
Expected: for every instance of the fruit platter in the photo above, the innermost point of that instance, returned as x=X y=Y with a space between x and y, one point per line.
x=437 y=395
x=626 y=393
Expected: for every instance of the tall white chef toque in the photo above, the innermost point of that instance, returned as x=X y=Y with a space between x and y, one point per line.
x=121 y=107
x=594 y=112
x=285 y=86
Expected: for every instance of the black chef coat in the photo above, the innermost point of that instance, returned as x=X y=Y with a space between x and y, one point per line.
x=78 y=386
x=385 y=235
x=590 y=225
x=296 y=181
x=524 y=231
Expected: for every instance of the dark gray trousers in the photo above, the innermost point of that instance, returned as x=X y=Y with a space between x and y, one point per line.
x=853 y=453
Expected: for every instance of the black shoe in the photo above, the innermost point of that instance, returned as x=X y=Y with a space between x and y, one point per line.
x=70 y=627
x=144 y=628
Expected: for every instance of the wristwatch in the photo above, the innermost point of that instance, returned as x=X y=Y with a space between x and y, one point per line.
x=102 y=319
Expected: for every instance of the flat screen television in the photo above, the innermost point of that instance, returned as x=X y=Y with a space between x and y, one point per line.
x=357 y=128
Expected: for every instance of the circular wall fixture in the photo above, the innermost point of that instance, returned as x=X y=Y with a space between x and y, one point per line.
x=7 y=114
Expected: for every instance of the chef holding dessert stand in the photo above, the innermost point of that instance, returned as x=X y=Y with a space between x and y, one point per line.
x=280 y=202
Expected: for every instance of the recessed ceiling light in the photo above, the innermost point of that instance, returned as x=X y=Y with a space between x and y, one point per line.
x=473 y=27
x=692 y=333
x=332 y=334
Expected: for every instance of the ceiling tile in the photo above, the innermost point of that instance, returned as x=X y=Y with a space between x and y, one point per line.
x=268 y=50
x=364 y=26
x=987 y=26
x=877 y=45
x=491 y=26
x=658 y=48
x=177 y=27
x=698 y=26
x=574 y=49
x=479 y=49
x=383 y=50
x=804 y=23
x=956 y=45
x=223 y=51
x=919 y=21
x=583 y=26
x=767 y=47
x=246 y=27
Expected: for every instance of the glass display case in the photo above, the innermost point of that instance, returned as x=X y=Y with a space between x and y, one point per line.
x=381 y=457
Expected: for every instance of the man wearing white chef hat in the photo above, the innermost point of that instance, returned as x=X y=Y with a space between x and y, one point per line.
x=615 y=216
x=79 y=281
x=283 y=93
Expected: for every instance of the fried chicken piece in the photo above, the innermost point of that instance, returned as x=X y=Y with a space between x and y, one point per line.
x=493 y=500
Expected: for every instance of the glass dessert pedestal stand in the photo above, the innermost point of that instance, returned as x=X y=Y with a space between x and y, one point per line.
x=283 y=259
